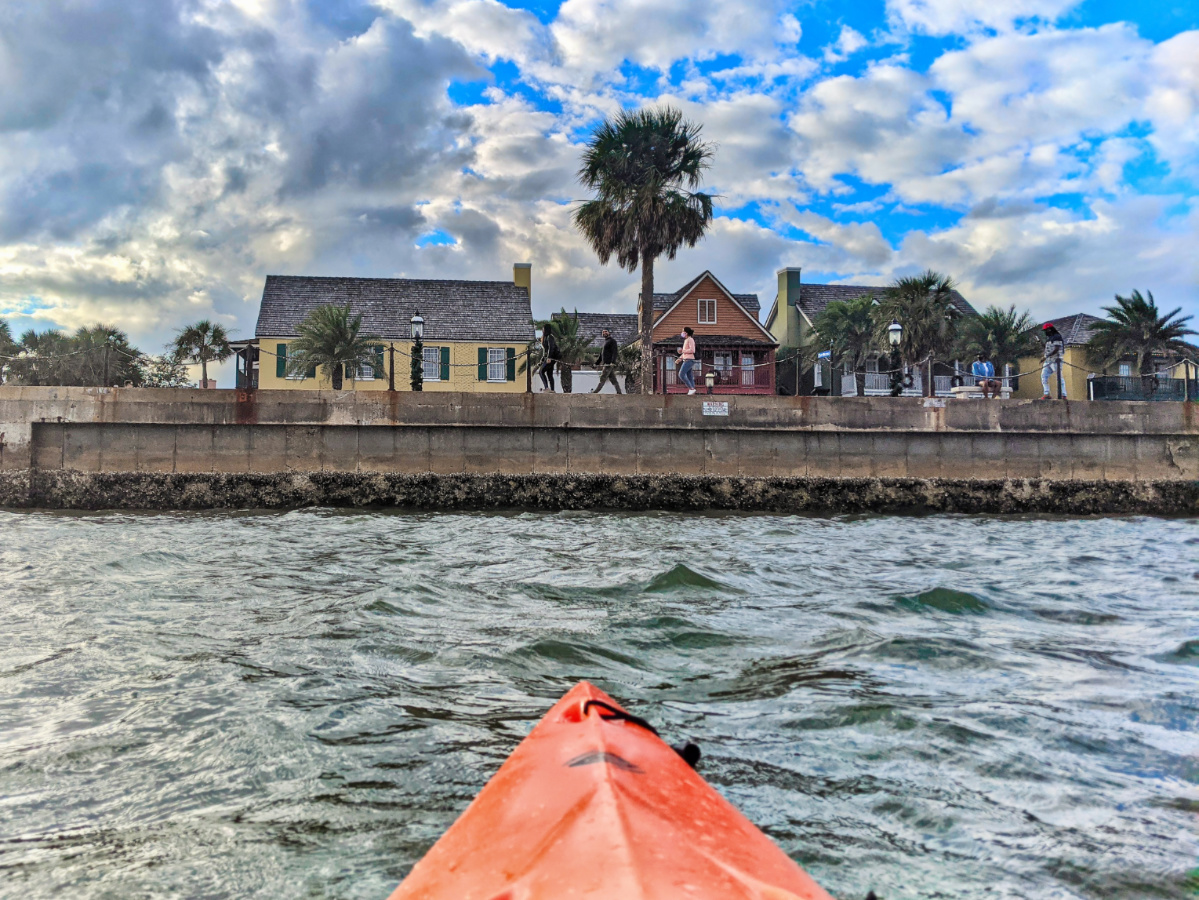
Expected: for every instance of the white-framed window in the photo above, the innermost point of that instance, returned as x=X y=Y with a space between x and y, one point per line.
x=722 y=361
x=497 y=364
x=1126 y=370
x=431 y=363
x=747 y=368
x=872 y=365
x=366 y=372
x=707 y=312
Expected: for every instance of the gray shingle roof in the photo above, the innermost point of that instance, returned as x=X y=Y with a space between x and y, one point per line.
x=813 y=298
x=1076 y=329
x=591 y=325
x=452 y=310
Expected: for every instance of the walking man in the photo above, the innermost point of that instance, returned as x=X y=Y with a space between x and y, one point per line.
x=687 y=359
x=549 y=356
x=984 y=372
x=607 y=361
x=1055 y=346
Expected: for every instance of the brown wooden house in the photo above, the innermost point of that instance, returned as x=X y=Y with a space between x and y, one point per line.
x=729 y=341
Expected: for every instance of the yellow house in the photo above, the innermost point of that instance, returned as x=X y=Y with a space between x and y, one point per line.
x=474 y=332
x=1077 y=330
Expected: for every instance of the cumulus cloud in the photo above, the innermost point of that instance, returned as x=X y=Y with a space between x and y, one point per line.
x=157 y=160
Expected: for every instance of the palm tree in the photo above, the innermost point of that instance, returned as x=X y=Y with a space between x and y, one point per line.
x=44 y=358
x=202 y=343
x=846 y=328
x=1001 y=335
x=103 y=357
x=628 y=366
x=645 y=168
x=573 y=348
x=1135 y=327
x=923 y=305
x=8 y=347
x=331 y=338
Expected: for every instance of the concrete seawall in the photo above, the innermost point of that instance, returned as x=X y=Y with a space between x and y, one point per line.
x=92 y=448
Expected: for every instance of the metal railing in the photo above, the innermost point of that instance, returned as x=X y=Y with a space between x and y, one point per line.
x=1138 y=387
x=756 y=377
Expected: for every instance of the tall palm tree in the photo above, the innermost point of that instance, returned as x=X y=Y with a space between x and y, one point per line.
x=923 y=305
x=1135 y=327
x=8 y=347
x=202 y=343
x=331 y=338
x=645 y=168
x=1001 y=335
x=846 y=328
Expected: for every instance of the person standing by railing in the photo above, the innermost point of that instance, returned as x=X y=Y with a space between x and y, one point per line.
x=550 y=355
x=1055 y=346
x=687 y=359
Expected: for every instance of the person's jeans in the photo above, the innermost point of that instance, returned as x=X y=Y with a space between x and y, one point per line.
x=607 y=373
x=685 y=375
x=547 y=374
x=1051 y=367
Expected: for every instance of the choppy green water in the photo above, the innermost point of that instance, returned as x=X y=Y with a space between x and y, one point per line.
x=297 y=705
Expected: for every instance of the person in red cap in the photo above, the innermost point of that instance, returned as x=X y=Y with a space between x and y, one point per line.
x=1051 y=363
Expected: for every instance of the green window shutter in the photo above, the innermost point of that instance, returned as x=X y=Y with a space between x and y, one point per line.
x=281 y=360
x=512 y=364
x=377 y=364
x=482 y=364
x=445 y=363
x=311 y=373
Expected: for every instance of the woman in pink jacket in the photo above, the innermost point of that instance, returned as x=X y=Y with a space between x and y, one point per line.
x=687 y=360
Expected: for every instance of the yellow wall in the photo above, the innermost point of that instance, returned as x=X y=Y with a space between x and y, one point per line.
x=1074 y=375
x=464 y=365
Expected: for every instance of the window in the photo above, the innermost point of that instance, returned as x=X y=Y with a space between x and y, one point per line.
x=872 y=365
x=747 y=368
x=818 y=375
x=366 y=372
x=497 y=364
x=1125 y=370
x=722 y=361
x=431 y=363
x=707 y=312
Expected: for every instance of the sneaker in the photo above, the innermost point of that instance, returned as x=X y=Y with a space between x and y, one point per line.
x=1046 y=397
x=690 y=392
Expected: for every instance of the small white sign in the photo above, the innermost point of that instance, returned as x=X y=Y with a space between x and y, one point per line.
x=713 y=408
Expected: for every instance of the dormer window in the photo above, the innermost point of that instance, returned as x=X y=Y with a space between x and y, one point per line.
x=707 y=312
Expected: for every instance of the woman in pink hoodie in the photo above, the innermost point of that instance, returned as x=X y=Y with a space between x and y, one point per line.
x=687 y=359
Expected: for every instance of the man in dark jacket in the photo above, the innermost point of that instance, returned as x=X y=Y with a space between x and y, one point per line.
x=607 y=363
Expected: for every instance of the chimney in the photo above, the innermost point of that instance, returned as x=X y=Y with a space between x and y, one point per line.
x=522 y=276
x=788 y=287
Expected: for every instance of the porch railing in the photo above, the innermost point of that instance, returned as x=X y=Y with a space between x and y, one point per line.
x=743 y=377
x=1137 y=387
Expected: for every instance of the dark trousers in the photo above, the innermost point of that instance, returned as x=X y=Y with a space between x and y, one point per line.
x=547 y=374
x=607 y=373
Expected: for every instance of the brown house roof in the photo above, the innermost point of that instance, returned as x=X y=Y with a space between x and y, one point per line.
x=1076 y=329
x=665 y=301
x=453 y=310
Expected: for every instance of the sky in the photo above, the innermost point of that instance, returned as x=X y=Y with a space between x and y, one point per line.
x=159 y=158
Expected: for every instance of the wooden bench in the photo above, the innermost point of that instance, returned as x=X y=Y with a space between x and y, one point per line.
x=974 y=392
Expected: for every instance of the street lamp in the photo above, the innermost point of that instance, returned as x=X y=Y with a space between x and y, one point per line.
x=895 y=335
x=710 y=379
x=418 y=352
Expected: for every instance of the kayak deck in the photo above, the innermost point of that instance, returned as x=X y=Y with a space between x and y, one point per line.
x=594 y=805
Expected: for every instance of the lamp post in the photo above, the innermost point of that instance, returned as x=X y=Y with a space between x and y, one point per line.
x=710 y=379
x=895 y=335
x=418 y=352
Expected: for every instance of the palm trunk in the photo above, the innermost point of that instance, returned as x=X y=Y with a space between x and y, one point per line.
x=859 y=377
x=647 y=324
x=336 y=377
x=203 y=372
x=566 y=377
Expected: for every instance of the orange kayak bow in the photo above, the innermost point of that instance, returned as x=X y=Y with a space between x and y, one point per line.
x=593 y=804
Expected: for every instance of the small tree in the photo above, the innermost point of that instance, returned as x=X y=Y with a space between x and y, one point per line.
x=1135 y=327
x=645 y=168
x=923 y=305
x=573 y=348
x=417 y=369
x=846 y=328
x=102 y=356
x=202 y=343
x=165 y=371
x=628 y=367
x=1001 y=335
x=330 y=338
